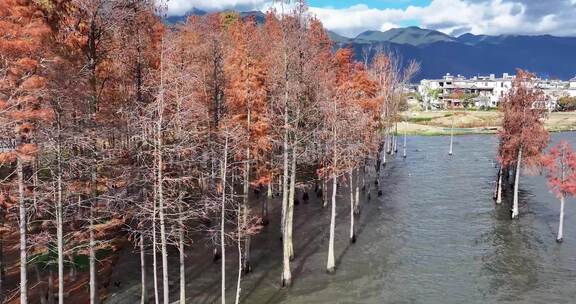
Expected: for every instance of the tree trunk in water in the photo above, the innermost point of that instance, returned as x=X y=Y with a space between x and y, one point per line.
x=154 y=255
x=92 y=260
x=59 y=226
x=330 y=265
x=352 y=207
x=240 y=259
x=222 y=222
x=246 y=267
x=50 y=287
x=39 y=284
x=22 y=228
x=324 y=192
x=560 y=237
x=357 y=198
x=451 y=137
x=182 y=261
x=384 y=152
x=291 y=198
x=499 y=186
x=516 y=184
x=405 y=140
x=142 y=271
x=286 y=273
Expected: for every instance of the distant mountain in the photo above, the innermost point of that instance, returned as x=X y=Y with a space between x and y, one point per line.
x=177 y=19
x=469 y=54
x=411 y=35
x=338 y=38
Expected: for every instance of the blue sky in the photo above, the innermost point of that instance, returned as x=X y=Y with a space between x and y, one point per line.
x=453 y=17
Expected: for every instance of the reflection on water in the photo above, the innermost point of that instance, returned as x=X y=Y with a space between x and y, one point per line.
x=435 y=236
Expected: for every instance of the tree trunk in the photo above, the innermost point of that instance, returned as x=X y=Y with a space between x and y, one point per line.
x=182 y=260
x=222 y=223
x=286 y=274
x=352 y=207
x=142 y=271
x=499 y=187
x=39 y=284
x=330 y=265
x=324 y=192
x=384 y=152
x=515 y=211
x=405 y=140
x=50 y=287
x=154 y=255
x=59 y=225
x=92 y=260
x=240 y=259
x=357 y=198
x=451 y=137
x=291 y=198
x=22 y=228
x=246 y=267
x=560 y=236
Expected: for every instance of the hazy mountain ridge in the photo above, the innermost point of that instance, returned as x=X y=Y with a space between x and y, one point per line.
x=468 y=54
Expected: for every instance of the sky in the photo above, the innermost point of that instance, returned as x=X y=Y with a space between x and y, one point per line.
x=453 y=17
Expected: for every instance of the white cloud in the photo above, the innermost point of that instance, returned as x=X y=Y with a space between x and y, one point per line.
x=181 y=7
x=491 y=17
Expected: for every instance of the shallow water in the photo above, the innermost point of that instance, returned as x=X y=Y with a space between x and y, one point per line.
x=435 y=236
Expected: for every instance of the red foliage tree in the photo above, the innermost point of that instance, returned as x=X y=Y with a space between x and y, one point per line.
x=560 y=164
x=523 y=136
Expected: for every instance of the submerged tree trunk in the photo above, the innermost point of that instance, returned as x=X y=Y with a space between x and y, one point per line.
x=451 y=137
x=222 y=222
x=291 y=199
x=286 y=273
x=324 y=192
x=515 y=211
x=560 y=236
x=154 y=254
x=246 y=267
x=240 y=259
x=182 y=258
x=352 y=207
x=499 y=187
x=92 y=260
x=22 y=228
x=357 y=198
x=330 y=265
x=405 y=140
x=142 y=271
x=59 y=224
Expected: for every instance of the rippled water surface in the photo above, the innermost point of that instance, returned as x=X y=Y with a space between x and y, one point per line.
x=435 y=236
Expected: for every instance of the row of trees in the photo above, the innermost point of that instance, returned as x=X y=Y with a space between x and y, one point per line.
x=117 y=126
x=523 y=140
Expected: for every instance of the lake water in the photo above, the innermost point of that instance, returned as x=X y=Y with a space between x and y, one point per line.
x=435 y=236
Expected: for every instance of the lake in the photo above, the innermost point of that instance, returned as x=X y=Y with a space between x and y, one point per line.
x=435 y=236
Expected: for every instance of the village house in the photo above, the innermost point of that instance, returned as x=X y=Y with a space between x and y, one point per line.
x=484 y=92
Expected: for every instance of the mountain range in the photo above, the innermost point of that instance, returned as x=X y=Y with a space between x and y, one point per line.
x=468 y=55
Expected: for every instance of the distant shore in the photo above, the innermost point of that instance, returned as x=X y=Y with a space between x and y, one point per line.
x=439 y=123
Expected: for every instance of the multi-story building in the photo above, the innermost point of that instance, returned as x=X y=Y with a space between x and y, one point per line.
x=485 y=91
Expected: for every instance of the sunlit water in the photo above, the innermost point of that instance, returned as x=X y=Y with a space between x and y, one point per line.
x=435 y=236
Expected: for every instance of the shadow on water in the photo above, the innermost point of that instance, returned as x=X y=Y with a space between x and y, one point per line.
x=513 y=261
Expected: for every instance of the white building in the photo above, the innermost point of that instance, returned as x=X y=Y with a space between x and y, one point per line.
x=454 y=91
x=485 y=91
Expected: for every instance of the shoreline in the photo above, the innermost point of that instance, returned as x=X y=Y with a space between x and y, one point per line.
x=438 y=123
